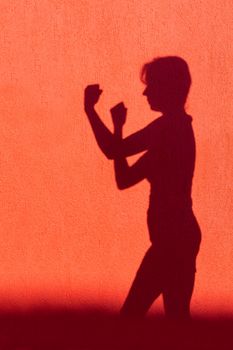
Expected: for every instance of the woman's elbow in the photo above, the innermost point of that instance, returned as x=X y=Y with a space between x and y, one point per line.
x=110 y=152
x=122 y=184
x=113 y=150
x=109 y=155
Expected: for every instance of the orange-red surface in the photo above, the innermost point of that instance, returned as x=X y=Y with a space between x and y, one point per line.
x=67 y=234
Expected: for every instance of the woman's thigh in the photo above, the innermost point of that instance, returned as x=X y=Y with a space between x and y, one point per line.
x=146 y=287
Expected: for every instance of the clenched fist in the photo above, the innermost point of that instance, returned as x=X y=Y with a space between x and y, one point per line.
x=118 y=113
x=91 y=95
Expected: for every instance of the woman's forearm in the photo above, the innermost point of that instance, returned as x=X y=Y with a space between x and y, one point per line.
x=121 y=166
x=105 y=139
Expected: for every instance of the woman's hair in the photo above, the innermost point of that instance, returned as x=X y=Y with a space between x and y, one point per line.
x=171 y=75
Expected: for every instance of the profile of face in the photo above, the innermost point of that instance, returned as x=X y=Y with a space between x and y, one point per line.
x=154 y=98
x=167 y=82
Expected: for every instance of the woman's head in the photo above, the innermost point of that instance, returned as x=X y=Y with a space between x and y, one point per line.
x=167 y=82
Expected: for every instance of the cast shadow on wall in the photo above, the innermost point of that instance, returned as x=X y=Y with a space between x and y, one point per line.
x=169 y=265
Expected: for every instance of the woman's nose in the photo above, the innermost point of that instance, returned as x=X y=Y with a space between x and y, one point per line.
x=145 y=92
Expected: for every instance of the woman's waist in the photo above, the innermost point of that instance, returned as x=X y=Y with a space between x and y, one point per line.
x=172 y=205
x=176 y=224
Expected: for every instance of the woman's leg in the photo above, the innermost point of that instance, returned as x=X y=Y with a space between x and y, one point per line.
x=146 y=287
x=178 y=289
x=181 y=267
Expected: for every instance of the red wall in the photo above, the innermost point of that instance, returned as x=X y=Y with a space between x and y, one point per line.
x=67 y=234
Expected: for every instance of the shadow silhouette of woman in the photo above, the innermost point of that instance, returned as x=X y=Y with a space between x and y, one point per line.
x=168 y=267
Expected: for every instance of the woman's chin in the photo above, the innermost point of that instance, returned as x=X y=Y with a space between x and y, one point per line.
x=154 y=108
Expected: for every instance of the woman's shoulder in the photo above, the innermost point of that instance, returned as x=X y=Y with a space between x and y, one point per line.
x=156 y=124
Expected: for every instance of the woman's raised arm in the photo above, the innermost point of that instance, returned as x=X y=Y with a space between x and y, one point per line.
x=109 y=145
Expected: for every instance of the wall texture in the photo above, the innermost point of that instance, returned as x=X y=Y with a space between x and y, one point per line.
x=67 y=234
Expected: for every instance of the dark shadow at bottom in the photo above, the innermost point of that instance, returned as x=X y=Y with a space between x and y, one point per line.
x=71 y=329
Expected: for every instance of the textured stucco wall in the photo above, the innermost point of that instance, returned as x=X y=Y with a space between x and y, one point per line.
x=67 y=234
